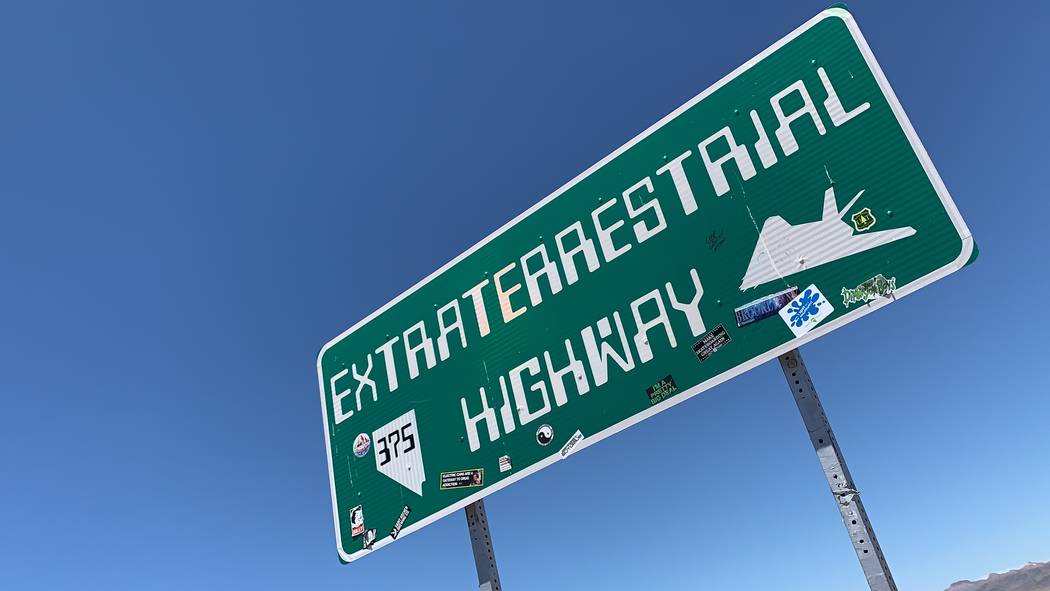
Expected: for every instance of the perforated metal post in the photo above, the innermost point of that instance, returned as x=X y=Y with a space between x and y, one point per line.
x=842 y=486
x=481 y=541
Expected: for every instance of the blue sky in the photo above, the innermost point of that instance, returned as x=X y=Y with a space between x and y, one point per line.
x=197 y=195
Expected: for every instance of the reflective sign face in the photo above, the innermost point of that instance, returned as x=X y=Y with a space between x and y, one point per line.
x=786 y=200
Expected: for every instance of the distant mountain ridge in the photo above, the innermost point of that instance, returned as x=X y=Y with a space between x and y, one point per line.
x=1034 y=576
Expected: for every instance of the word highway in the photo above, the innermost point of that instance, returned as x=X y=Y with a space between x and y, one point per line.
x=615 y=227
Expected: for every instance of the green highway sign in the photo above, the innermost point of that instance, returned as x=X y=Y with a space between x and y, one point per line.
x=786 y=200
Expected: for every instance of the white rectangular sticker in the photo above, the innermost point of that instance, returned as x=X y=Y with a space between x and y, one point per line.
x=806 y=311
x=570 y=445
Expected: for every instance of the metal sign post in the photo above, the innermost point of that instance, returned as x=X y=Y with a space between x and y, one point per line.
x=481 y=542
x=847 y=497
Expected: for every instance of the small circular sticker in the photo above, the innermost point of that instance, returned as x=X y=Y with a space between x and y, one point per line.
x=362 y=443
x=544 y=435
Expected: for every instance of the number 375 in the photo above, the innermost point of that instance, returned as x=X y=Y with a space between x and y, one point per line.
x=393 y=444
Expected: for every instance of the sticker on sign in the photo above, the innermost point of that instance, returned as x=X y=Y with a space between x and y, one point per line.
x=780 y=175
x=806 y=311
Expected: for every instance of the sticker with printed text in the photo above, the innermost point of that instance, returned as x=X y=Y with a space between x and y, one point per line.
x=462 y=478
x=872 y=289
x=710 y=343
x=806 y=311
x=661 y=390
x=571 y=444
x=394 y=531
x=764 y=307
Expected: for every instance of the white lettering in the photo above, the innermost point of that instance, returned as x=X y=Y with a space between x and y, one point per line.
x=548 y=270
x=586 y=246
x=737 y=153
x=784 y=135
x=834 y=106
x=445 y=329
x=681 y=182
x=387 y=349
x=525 y=415
x=642 y=231
x=609 y=250
x=763 y=146
x=557 y=376
x=337 y=398
x=641 y=340
x=362 y=381
x=478 y=299
x=411 y=351
x=507 y=410
x=503 y=295
x=599 y=357
x=487 y=415
x=691 y=309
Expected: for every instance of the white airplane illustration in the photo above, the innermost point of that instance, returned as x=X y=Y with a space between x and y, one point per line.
x=784 y=249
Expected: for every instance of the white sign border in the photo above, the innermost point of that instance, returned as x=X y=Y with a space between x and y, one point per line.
x=916 y=144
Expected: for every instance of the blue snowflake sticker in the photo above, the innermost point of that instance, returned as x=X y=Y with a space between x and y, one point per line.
x=806 y=311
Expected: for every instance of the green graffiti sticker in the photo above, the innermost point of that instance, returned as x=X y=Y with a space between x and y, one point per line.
x=872 y=289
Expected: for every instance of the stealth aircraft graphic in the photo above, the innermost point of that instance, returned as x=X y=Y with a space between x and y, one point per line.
x=784 y=249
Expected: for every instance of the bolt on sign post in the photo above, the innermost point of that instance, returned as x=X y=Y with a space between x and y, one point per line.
x=788 y=199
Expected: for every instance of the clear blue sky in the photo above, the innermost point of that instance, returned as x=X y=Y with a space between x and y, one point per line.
x=197 y=195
